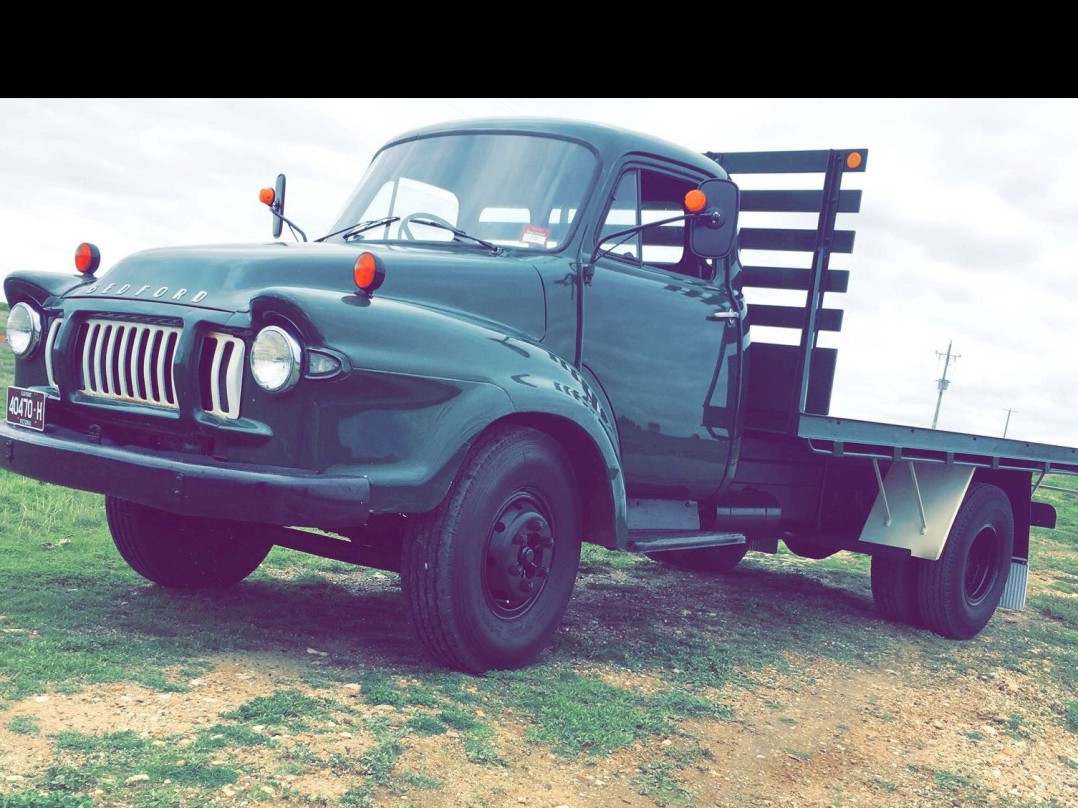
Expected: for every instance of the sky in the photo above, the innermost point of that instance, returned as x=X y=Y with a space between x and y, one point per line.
x=968 y=230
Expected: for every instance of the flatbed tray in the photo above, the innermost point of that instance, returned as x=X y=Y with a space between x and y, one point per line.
x=845 y=437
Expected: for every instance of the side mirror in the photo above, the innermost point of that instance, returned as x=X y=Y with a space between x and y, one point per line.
x=273 y=198
x=278 y=205
x=713 y=229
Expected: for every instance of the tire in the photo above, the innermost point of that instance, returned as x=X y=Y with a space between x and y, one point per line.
x=705 y=559
x=808 y=549
x=894 y=589
x=487 y=576
x=184 y=552
x=378 y=543
x=959 y=593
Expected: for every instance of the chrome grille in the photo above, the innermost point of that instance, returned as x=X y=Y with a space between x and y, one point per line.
x=221 y=374
x=129 y=361
x=50 y=340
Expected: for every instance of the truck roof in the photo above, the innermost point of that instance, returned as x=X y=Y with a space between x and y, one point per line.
x=610 y=142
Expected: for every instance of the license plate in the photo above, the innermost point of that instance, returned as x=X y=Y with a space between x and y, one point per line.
x=26 y=408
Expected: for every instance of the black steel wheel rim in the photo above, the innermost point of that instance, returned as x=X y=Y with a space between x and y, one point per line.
x=518 y=554
x=981 y=564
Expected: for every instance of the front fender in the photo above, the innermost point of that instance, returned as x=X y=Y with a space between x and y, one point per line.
x=553 y=396
x=40 y=287
x=424 y=385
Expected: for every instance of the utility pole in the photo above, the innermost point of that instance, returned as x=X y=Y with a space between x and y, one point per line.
x=1007 y=423
x=942 y=383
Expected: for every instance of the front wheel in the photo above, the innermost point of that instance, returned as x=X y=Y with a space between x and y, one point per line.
x=488 y=575
x=185 y=552
x=959 y=593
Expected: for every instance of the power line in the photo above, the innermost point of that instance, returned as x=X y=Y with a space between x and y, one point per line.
x=943 y=383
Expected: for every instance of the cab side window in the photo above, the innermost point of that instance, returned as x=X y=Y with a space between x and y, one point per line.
x=645 y=196
x=624 y=213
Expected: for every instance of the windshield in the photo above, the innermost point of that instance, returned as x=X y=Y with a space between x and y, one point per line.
x=508 y=189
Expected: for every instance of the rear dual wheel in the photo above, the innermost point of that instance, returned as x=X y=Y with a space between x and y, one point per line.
x=894 y=588
x=956 y=595
x=959 y=593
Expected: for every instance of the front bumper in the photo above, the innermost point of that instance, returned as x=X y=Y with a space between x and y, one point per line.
x=187 y=484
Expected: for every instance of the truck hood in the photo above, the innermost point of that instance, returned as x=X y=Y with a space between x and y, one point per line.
x=504 y=289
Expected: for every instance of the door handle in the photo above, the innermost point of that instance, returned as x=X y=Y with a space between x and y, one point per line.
x=722 y=315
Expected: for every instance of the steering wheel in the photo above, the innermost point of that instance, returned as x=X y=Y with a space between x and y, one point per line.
x=405 y=232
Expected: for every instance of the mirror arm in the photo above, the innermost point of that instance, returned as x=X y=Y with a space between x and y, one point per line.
x=637 y=229
x=295 y=227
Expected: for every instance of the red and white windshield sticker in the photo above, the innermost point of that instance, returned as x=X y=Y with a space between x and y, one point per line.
x=535 y=235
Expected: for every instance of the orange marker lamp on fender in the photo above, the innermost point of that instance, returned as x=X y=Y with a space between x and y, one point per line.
x=87 y=258
x=368 y=273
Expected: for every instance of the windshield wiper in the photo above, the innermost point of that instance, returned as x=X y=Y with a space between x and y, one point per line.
x=356 y=229
x=460 y=234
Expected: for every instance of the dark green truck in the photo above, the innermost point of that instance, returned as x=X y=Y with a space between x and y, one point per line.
x=520 y=335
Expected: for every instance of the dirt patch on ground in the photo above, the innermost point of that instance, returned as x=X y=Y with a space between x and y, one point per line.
x=831 y=735
x=129 y=707
x=842 y=736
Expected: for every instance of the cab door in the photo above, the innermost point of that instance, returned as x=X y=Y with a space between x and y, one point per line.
x=661 y=336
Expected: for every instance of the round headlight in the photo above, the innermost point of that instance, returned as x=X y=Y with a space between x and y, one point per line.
x=23 y=329
x=276 y=360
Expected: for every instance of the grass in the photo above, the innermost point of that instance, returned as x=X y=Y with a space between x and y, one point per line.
x=24 y=725
x=379 y=763
x=658 y=780
x=123 y=763
x=230 y=736
x=44 y=800
x=285 y=708
x=949 y=781
x=425 y=724
x=576 y=715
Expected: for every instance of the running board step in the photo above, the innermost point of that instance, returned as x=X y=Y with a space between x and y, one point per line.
x=658 y=541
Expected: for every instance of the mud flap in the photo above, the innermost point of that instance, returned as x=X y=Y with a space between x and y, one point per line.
x=916 y=506
x=1014 y=593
